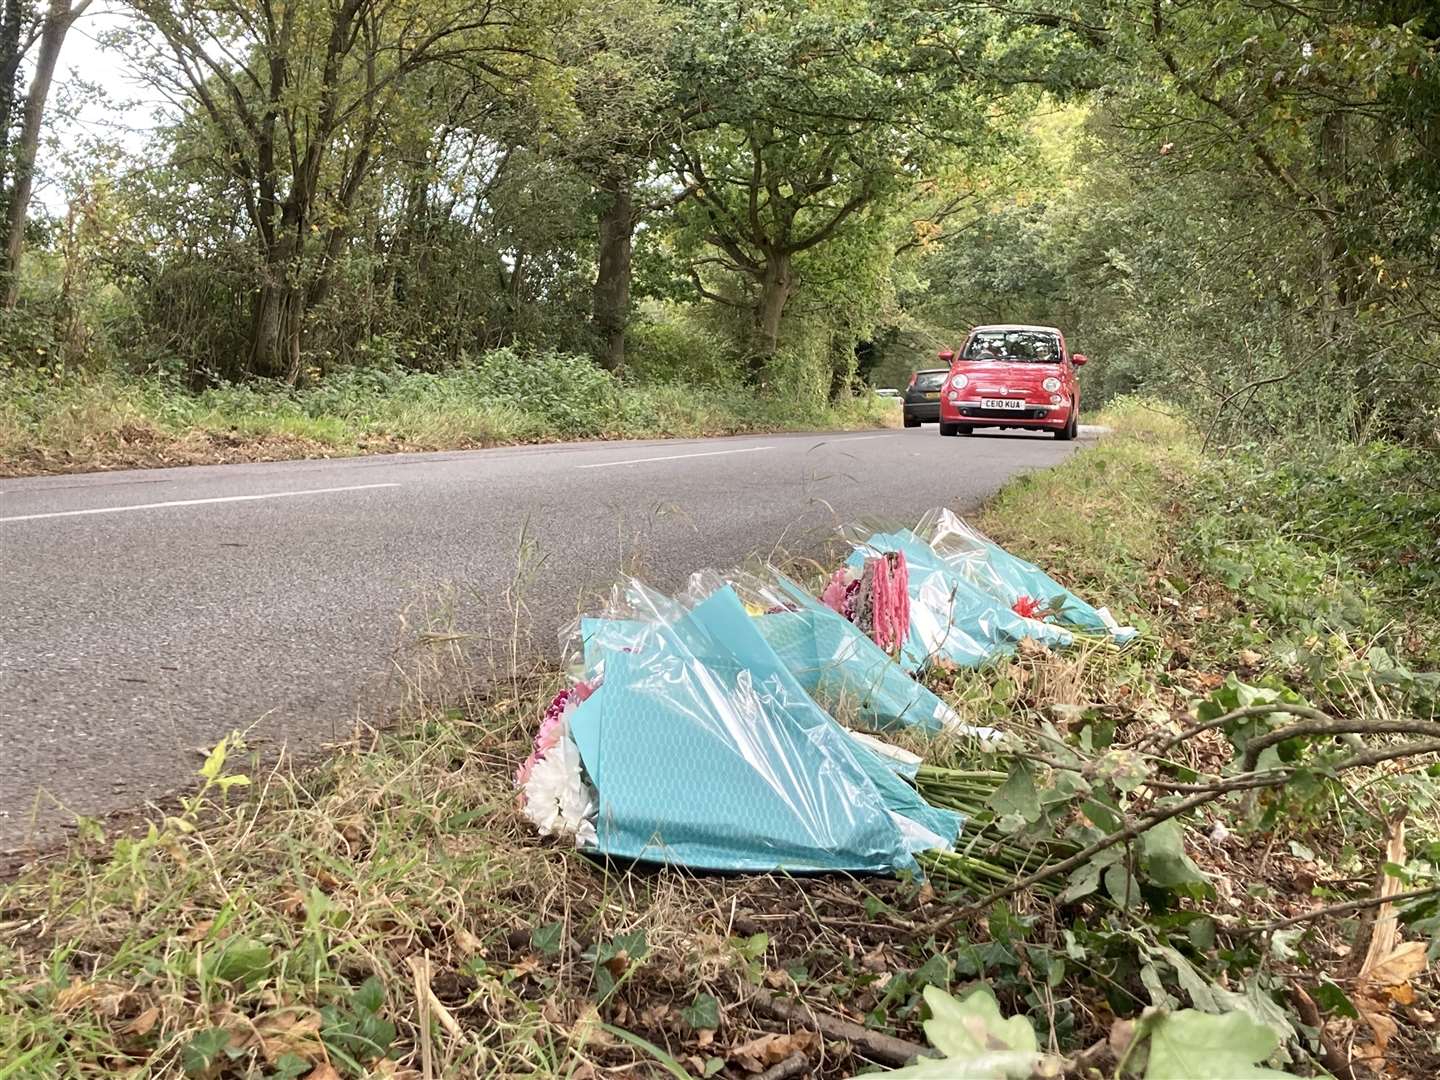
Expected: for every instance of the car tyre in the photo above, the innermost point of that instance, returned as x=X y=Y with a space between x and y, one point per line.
x=952 y=429
x=1070 y=430
x=911 y=421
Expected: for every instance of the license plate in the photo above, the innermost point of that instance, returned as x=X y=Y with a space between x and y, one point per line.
x=1001 y=403
x=935 y=396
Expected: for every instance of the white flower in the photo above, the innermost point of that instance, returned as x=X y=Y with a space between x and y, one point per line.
x=557 y=799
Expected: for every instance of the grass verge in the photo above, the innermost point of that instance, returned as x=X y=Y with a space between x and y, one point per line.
x=51 y=421
x=388 y=913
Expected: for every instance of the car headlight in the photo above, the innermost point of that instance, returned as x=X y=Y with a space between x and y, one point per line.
x=1051 y=384
x=959 y=382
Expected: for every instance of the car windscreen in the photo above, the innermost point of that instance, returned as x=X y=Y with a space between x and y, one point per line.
x=1028 y=346
x=930 y=380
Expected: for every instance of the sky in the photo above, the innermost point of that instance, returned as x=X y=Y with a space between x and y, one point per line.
x=127 y=118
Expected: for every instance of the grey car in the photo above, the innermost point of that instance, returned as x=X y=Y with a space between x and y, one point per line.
x=922 y=397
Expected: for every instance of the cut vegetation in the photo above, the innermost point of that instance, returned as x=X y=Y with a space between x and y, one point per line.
x=1216 y=849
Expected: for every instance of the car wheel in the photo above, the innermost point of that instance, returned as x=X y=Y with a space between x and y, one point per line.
x=966 y=429
x=911 y=421
x=1070 y=430
x=949 y=429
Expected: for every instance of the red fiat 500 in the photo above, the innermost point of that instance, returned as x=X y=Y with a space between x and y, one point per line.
x=1012 y=376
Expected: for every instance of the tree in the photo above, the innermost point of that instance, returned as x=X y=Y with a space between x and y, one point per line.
x=17 y=165
x=802 y=119
x=301 y=102
x=622 y=110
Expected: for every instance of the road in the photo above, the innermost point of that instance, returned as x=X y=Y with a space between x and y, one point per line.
x=146 y=613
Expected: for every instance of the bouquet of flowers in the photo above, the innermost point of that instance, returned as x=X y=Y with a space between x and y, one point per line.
x=875 y=597
x=555 y=794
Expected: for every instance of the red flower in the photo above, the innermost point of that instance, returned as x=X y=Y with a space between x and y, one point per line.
x=1027 y=607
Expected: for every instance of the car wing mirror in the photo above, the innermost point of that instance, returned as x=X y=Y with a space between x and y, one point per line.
x=1079 y=359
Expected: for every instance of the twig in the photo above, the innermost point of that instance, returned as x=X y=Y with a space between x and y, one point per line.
x=430 y=1004
x=797 y=1064
x=1144 y=824
x=1326 y=726
x=1336 y=909
x=1242 y=714
x=879 y=1047
x=1338 y=1064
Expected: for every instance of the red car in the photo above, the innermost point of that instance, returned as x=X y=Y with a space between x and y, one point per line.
x=1012 y=376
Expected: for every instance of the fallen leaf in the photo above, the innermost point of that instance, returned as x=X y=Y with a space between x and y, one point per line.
x=759 y=1054
x=143 y=1023
x=1404 y=994
x=777 y=979
x=105 y=998
x=200 y=930
x=1250 y=658
x=1401 y=965
x=1122 y=1034
x=874 y=960
x=1376 y=1015
x=293 y=1031
x=323 y=1071
x=589 y=1030
x=393 y=1070
x=467 y=942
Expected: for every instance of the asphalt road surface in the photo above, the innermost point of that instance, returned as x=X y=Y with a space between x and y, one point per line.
x=146 y=613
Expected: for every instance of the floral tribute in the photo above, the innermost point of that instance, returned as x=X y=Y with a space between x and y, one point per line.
x=1027 y=607
x=554 y=792
x=875 y=598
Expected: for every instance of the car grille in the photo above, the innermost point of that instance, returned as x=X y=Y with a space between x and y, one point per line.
x=977 y=413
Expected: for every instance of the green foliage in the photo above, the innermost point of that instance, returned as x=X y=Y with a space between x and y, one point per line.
x=978 y=1043
x=357 y=1031
x=1190 y=1045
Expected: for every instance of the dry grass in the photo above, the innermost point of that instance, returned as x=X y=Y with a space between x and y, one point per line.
x=405 y=848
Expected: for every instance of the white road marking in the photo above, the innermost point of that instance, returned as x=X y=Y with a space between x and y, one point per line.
x=193 y=502
x=675 y=457
x=862 y=438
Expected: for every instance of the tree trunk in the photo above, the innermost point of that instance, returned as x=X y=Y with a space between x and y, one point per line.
x=275 y=327
x=58 y=21
x=776 y=283
x=11 y=54
x=612 y=278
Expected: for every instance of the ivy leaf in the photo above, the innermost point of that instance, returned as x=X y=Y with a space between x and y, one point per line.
x=1334 y=1000
x=1166 y=864
x=1018 y=795
x=1191 y=1045
x=978 y=1043
x=548 y=938
x=203 y=1051
x=241 y=960
x=1085 y=882
x=703 y=1014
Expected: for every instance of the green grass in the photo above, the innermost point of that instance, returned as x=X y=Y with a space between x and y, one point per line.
x=61 y=421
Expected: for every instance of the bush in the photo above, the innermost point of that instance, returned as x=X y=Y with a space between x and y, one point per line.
x=669 y=347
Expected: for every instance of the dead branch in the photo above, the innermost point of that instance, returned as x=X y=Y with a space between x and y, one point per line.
x=886 y=1049
x=1338 y=909
x=797 y=1064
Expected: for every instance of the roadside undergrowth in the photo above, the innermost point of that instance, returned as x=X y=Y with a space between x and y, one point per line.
x=389 y=913
x=55 y=421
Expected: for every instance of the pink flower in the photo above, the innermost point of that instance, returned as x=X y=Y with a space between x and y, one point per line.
x=890 y=601
x=840 y=592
